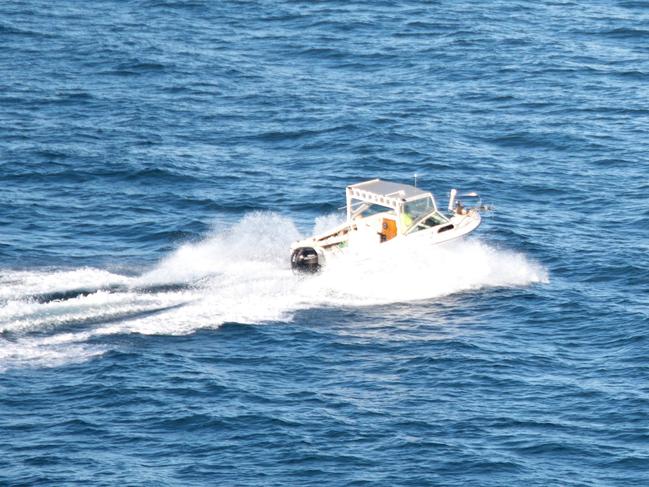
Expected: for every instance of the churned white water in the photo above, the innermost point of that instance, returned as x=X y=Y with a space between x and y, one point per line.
x=238 y=275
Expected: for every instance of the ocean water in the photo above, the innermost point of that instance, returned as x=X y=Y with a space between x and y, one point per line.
x=157 y=159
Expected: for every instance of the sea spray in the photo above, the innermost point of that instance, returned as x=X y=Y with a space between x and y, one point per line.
x=236 y=274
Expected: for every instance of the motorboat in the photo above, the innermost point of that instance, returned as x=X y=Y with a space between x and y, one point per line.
x=382 y=213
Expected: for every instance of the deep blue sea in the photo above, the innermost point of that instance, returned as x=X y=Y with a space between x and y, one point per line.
x=158 y=158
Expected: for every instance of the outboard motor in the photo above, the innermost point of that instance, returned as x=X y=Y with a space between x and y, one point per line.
x=305 y=259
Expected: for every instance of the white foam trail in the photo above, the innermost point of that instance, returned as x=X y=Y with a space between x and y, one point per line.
x=24 y=316
x=238 y=274
x=21 y=284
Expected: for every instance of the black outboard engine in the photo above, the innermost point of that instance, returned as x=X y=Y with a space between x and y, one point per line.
x=305 y=259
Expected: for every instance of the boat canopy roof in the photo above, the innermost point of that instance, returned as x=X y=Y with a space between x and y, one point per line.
x=385 y=193
x=385 y=189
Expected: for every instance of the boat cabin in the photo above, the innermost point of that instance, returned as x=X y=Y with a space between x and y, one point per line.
x=392 y=208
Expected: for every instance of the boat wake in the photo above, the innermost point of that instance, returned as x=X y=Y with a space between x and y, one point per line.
x=54 y=317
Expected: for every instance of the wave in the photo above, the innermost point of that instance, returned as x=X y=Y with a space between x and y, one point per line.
x=237 y=274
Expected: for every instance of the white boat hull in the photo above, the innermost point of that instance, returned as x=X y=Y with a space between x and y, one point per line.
x=311 y=254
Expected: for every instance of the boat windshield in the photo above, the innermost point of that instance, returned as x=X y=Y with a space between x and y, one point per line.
x=421 y=214
x=431 y=220
x=419 y=208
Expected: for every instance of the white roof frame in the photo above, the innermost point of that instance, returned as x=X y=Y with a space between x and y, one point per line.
x=384 y=193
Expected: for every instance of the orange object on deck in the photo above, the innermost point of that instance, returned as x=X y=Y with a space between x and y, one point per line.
x=388 y=229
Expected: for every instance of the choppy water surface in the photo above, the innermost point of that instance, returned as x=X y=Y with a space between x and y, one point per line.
x=157 y=159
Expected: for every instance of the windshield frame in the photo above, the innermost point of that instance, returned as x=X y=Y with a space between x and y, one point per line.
x=418 y=224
